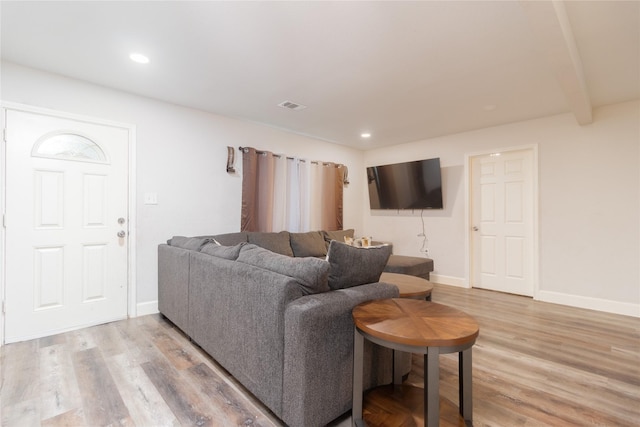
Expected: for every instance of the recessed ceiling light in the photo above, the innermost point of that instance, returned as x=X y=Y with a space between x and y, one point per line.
x=365 y=135
x=139 y=58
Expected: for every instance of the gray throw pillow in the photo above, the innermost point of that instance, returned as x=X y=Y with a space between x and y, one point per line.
x=275 y=242
x=308 y=244
x=337 y=235
x=352 y=266
x=310 y=273
x=231 y=239
x=191 y=243
x=226 y=252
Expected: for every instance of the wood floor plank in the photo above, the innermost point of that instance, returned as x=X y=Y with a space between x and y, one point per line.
x=138 y=344
x=52 y=340
x=21 y=414
x=180 y=356
x=59 y=392
x=102 y=402
x=19 y=375
x=72 y=418
x=181 y=397
x=81 y=339
x=230 y=408
x=145 y=404
x=108 y=339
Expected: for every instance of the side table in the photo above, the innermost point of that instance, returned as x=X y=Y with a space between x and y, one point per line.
x=416 y=326
x=409 y=286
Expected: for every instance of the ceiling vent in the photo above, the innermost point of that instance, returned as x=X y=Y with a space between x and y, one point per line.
x=292 y=106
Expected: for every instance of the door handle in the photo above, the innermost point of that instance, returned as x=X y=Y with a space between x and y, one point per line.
x=121 y=233
x=475 y=228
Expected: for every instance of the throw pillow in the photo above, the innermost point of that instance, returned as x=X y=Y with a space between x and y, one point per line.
x=338 y=235
x=308 y=244
x=275 y=242
x=310 y=273
x=226 y=252
x=231 y=239
x=191 y=243
x=353 y=266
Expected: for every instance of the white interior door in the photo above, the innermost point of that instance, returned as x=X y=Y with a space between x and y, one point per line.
x=502 y=216
x=66 y=203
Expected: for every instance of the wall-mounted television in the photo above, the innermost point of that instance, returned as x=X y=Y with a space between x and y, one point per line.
x=409 y=185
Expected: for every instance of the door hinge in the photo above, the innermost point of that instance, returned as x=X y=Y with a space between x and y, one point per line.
x=3 y=309
x=4 y=221
x=4 y=134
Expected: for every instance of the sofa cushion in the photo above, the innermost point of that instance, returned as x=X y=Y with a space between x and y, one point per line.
x=308 y=244
x=191 y=243
x=226 y=252
x=337 y=235
x=275 y=242
x=231 y=239
x=414 y=266
x=353 y=266
x=310 y=273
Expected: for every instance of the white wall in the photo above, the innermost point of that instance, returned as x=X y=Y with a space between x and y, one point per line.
x=181 y=156
x=589 y=205
x=589 y=176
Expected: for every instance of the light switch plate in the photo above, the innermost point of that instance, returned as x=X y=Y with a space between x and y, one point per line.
x=150 y=198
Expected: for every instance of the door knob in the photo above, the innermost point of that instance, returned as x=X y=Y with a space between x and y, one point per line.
x=121 y=233
x=475 y=228
x=120 y=221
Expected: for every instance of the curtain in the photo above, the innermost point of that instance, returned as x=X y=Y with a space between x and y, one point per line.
x=315 y=196
x=257 y=190
x=280 y=193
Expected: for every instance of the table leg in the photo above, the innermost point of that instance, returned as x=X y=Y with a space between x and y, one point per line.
x=432 y=387
x=358 y=354
x=465 y=386
x=397 y=367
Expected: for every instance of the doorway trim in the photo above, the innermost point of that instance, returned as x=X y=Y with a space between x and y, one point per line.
x=468 y=158
x=131 y=179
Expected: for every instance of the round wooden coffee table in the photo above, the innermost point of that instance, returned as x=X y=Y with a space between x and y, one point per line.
x=416 y=326
x=409 y=286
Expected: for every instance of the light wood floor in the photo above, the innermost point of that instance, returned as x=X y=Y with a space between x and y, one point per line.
x=534 y=364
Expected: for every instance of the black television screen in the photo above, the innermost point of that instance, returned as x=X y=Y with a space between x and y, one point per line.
x=410 y=185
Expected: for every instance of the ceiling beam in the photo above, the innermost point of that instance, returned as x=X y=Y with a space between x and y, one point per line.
x=553 y=33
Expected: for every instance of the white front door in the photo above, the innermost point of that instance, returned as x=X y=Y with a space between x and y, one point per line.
x=502 y=221
x=66 y=224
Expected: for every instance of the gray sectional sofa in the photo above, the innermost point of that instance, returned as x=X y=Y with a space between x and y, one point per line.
x=275 y=311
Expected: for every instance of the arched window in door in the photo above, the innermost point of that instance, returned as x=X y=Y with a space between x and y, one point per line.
x=69 y=146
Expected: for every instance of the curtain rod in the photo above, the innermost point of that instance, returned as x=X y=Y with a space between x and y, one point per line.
x=313 y=162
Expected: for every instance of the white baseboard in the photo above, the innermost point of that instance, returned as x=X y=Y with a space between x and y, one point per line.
x=144 y=308
x=448 y=280
x=599 y=304
x=615 y=307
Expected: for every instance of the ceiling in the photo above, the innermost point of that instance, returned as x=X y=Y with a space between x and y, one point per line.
x=403 y=71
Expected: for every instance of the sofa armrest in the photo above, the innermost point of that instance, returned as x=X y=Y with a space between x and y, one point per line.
x=318 y=359
x=173 y=285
